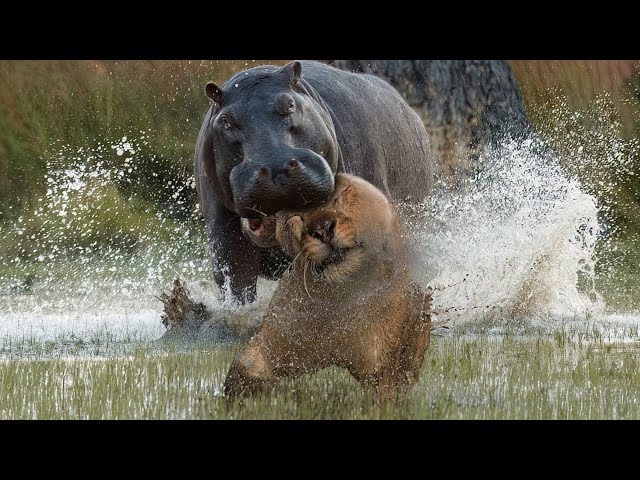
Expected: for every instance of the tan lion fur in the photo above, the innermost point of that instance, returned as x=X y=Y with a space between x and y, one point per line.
x=348 y=300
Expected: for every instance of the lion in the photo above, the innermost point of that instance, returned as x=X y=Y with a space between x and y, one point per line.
x=348 y=300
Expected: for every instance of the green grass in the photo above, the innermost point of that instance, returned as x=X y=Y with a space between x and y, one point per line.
x=44 y=104
x=566 y=375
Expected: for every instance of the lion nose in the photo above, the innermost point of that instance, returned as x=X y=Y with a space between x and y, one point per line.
x=324 y=230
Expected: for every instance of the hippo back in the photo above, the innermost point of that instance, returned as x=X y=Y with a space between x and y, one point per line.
x=382 y=139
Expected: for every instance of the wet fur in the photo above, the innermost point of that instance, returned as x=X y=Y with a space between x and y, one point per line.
x=348 y=301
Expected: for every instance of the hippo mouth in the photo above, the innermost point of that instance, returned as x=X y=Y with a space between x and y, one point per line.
x=261 y=231
x=299 y=183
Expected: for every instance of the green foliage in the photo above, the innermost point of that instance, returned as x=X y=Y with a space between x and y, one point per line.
x=44 y=104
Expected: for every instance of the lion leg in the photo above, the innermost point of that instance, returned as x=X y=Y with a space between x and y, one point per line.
x=401 y=368
x=250 y=371
x=416 y=338
x=415 y=357
x=382 y=383
x=387 y=386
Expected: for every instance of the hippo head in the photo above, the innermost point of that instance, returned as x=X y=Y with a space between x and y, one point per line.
x=273 y=142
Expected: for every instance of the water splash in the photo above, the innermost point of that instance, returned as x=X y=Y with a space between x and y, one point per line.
x=515 y=247
x=93 y=252
x=88 y=260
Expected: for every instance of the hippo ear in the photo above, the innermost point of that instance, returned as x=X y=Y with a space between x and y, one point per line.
x=214 y=93
x=292 y=70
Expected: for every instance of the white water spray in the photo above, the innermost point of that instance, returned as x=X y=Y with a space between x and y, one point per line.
x=519 y=247
x=514 y=247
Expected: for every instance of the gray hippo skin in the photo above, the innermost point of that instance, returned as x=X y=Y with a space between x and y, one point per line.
x=467 y=106
x=274 y=138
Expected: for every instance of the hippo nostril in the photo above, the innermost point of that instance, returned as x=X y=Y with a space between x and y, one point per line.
x=264 y=172
x=293 y=163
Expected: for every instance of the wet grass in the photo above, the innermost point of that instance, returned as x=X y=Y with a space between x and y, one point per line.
x=568 y=374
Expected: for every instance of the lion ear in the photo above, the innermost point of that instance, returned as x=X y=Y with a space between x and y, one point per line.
x=214 y=93
x=293 y=71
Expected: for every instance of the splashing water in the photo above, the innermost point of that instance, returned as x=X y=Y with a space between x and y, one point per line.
x=515 y=246
x=518 y=247
x=93 y=257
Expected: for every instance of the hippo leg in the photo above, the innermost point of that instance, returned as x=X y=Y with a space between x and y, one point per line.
x=234 y=257
x=274 y=263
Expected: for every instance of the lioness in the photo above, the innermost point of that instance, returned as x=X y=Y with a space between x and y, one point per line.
x=348 y=300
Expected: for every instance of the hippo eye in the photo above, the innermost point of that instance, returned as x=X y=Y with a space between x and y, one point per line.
x=285 y=105
x=225 y=122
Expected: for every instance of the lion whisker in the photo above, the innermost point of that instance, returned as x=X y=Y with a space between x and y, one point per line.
x=304 y=277
x=258 y=211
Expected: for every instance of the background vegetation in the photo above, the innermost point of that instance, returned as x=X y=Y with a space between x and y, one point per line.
x=82 y=103
x=62 y=116
x=589 y=112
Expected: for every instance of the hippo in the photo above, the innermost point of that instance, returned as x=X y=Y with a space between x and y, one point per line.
x=468 y=107
x=275 y=137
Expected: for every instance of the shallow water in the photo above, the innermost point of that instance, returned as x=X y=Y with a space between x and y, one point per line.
x=517 y=249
